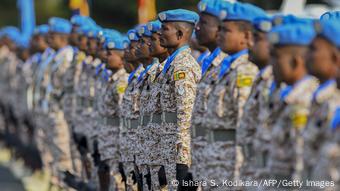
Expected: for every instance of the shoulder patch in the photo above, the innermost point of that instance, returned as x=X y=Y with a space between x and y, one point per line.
x=244 y=80
x=121 y=87
x=180 y=75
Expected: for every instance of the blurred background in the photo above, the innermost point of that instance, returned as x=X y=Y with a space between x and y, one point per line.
x=124 y=14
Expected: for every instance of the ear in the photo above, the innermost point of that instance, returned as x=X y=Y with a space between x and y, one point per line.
x=250 y=38
x=336 y=56
x=179 y=34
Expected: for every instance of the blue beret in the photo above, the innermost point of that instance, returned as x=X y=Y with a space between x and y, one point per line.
x=93 y=31
x=288 y=19
x=211 y=7
x=11 y=32
x=329 y=29
x=143 y=30
x=80 y=20
x=292 y=34
x=154 y=26
x=330 y=15
x=178 y=15
x=132 y=35
x=117 y=42
x=108 y=33
x=263 y=24
x=242 y=12
x=41 y=29
x=59 y=25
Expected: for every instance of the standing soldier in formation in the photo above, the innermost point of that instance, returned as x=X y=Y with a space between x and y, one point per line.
x=290 y=47
x=151 y=96
x=319 y=140
x=206 y=34
x=129 y=116
x=59 y=133
x=258 y=54
x=178 y=79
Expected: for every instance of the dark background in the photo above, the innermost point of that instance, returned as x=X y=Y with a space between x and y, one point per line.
x=118 y=14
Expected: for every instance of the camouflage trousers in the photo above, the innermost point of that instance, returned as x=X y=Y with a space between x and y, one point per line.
x=60 y=137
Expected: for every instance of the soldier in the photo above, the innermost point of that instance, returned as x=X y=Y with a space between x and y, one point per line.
x=231 y=90
x=323 y=62
x=179 y=79
x=290 y=47
x=258 y=54
x=59 y=132
x=129 y=114
x=206 y=33
x=150 y=65
x=112 y=98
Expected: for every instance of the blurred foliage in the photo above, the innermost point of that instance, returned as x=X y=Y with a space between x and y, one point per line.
x=119 y=14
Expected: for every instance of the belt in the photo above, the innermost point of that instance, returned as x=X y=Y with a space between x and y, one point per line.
x=261 y=159
x=199 y=131
x=114 y=121
x=166 y=117
x=144 y=120
x=222 y=135
x=69 y=89
x=131 y=123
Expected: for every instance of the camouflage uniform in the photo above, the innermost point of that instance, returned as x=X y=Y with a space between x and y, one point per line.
x=328 y=165
x=225 y=108
x=286 y=142
x=129 y=114
x=316 y=134
x=60 y=131
x=70 y=80
x=179 y=84
x=108 y=138
x=144 y=133
x=246 y=131
x=199 y=142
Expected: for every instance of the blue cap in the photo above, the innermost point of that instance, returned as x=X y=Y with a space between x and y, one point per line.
x=143 y=30
x=107 y=33
x=93 y=31
x=211 y=7
x=132 y=35
x=292 y=34
x=330 y=15
x=288 y=19
x=263 y=24
x=179 y=15
x=241 y=12
x=329 y=29
x=41 y=30
x=154 y=26
x=11 y=32
x=80 y=20
x=117 y=43
x=60 y=25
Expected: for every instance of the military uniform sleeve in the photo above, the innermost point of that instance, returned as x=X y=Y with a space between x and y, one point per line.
x=185 y=90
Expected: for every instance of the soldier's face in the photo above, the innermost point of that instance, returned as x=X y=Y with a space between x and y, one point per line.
x=56 y=40
x=155 y=45
x=230 y=39
x=169 y=35
x=206 y=29
x=259 y=53
x=114 y=59
x=82 y=43
x=142 y=50
x=92 y=46
x=322 y=59
x=282 y=64
x=74 y=37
